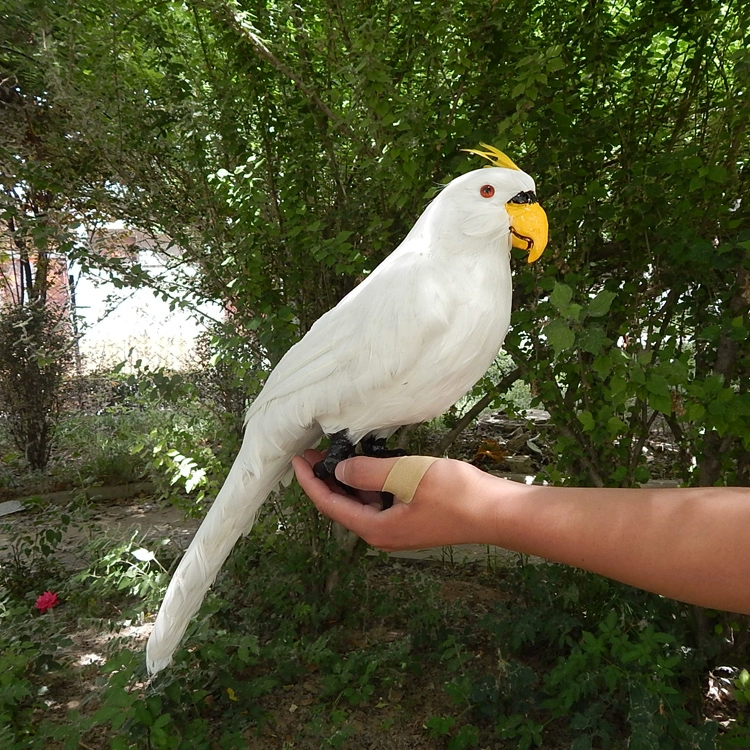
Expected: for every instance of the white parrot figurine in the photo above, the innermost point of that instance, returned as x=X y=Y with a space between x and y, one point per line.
x=400 y=348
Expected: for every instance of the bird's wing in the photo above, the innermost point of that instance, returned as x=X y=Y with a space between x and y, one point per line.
x=375 y=333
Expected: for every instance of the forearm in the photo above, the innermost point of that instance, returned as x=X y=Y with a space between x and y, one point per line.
x=681 y=543
x=688 y=544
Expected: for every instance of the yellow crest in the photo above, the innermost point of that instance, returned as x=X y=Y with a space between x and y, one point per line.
x=497 y=157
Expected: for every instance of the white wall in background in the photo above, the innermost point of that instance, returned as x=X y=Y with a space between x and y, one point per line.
x=133 y=324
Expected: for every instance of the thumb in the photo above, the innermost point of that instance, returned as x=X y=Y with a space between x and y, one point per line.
x=364 y=472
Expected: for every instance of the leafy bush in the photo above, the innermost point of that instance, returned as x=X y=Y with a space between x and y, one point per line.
x=613 y=657
x=559 y=656
x=29 y=660
x=28 y=560
x=35 y=353
x=121 y=569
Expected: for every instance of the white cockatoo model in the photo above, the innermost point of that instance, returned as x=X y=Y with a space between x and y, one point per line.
x=399 y=349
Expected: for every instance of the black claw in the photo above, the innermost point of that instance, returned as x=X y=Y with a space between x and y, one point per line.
x=320 y=470
x=339 y=448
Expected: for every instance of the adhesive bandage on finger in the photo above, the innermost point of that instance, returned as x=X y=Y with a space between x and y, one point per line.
x=405 y=476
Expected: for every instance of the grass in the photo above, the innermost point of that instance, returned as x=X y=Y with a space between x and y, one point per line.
x=169 y=446
x=90 y=450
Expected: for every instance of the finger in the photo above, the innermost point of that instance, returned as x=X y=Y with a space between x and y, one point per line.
x=341 y=508
x=303 y=467
x=365 y=473
x=348 y=512
x=312 y=456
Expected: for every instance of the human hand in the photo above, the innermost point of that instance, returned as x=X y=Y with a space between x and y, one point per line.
x=452 y=504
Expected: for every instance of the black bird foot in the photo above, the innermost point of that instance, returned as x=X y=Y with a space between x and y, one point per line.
x=378 y=448
x=339 y=449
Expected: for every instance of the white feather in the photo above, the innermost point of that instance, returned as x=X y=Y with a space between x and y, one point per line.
x=401 y=348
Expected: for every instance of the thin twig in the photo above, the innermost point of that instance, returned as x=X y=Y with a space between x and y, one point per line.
x=241 y=21
x=475 y=410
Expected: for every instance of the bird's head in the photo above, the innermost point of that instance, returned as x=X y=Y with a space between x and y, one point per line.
x=500 y=198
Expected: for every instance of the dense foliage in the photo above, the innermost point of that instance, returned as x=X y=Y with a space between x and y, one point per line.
x=35 y=352
x=286 y=150
x=517 y=656
x=287 y=147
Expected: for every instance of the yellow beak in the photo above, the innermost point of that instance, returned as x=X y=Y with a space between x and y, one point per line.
x=528 y=225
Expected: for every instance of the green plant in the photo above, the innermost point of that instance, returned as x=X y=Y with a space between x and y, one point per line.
x=30 y=557
x=96 y=449
x=29 y=661
x=16 y=692
x=617 y=664
x=742 y=687
x=179 y=447
x=519 y=727
x=622 y=658
x=35 y=353
x=112 y=462
x=121 y=569
x=464 y=737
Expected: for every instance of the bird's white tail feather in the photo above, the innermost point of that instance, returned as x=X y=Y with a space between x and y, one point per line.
x=232 y=514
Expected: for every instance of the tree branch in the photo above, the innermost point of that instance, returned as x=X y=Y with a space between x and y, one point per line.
x=241 y=21
x=477 y=409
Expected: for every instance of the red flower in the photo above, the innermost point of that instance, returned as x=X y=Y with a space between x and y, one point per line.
x=46 y=601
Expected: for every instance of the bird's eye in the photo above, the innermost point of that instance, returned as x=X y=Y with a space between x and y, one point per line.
x=486 y=191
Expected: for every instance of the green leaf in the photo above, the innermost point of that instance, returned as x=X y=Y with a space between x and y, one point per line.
x=644 y=357
x=694 y=411
x=561 y=295
x=602 y=366
x=660 y=403
x=658 y=385
x=572 y=311
x=593 y=339
x=601 y=304
x=586 y=418
x=618 y=384
x=439 y=726
x=559 y=335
